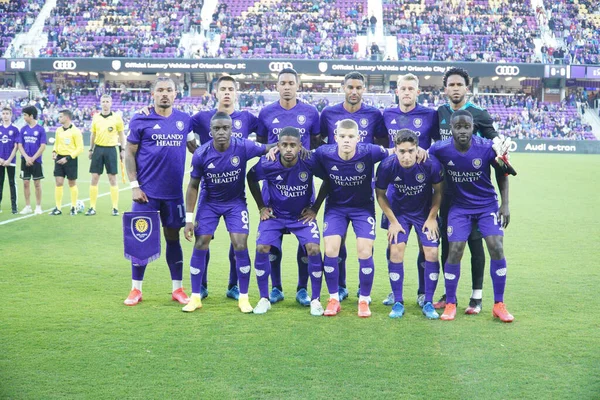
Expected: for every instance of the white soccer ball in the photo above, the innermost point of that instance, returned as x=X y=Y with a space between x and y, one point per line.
x=51 y=140
x=80 y=207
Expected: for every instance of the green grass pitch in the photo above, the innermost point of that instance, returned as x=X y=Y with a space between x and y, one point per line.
x=65 y=333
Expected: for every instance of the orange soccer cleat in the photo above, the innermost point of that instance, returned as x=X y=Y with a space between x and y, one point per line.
x=449 y=312
x=135 y=296
x=180 y=296
x=499 y=311
x=363 y=309
x=333 y=308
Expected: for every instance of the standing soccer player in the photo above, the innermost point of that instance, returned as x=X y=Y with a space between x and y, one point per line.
x=410 y=194
x=68 y=145
x=424 y=121
x=221 y=165
x=155 y=161
x=347 y=171
x=243 y=124
x=8 y=149
x=32 y=143
x=288 y=111
x=371 y=130
x=290 y=184
x=467 y=160
x=107 y=134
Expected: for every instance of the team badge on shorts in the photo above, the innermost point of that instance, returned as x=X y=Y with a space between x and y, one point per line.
x=364 y=122
x=235 y=161
x=420 y=177
x=141 y=228
x=303 y=176
x=450 y=231
x=477 y=163
x=301 y=119
x=360 y=166
x=237 y=124
x=180 y=125
x=417 y=122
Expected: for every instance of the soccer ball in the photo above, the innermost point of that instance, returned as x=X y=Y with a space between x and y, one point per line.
x=80 y=207
x=51 y=140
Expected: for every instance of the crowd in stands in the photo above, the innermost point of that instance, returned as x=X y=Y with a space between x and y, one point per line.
x=16 y=16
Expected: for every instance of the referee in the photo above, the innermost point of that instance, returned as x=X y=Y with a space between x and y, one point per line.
x=68 y=145
x=107 y=134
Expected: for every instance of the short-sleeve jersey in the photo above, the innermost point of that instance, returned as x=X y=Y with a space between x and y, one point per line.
x=32 y=139
x=368 y=119
x=273 y=118
x=422 y=120
x=483 y=125
x=8 y=137
x=243 y=123
x=106 y=129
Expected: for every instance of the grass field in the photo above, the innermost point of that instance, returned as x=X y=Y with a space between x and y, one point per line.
x=65 y=333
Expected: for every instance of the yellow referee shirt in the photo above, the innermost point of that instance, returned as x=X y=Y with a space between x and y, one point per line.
x=68 y=141
x=106 y=129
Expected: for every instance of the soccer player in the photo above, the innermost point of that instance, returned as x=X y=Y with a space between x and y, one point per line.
x=410 y=194
x=424 y=121
x=371 y=130
x=221 y=165
x=456 y=82
x=467 y=159
x=288 y=111
x=347 y=171
x=243 y=124
x=68 y=145
x=107 y=134
x=155 y=162
x=32 y=143
x=8 y=149
x=290 y=184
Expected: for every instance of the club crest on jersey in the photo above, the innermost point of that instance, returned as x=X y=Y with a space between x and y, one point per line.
x=301 y=119
x=303 y=176
x=450 y=230
x=235 y=161
x=141 y=228
x=237 y=124
x=10 y=133
x=179 y=125
x=35 y=133
x=364 y=122
x=420 y=177
x=417 y=122
x=477 y=163
x=360 y=167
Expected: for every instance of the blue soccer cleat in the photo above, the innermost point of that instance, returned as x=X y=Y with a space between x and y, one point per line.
x=303 y=298
x=343 y=293
x=276 y=296
x=389 y=301
x=429 y=311
x=203 y=292
x=233 y=293
x=397 y=310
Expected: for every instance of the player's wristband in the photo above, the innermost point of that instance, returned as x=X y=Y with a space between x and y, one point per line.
x=189 y=217
x=134 y=184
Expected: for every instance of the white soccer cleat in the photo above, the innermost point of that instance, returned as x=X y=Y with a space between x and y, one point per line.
x=263 y=306
x=38 y=211
x=316 y=308
x=26 y=210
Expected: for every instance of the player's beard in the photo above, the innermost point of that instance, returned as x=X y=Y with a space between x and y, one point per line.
x=457 y=101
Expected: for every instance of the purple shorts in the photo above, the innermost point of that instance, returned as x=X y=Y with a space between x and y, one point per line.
x=461 y=221
x=335 y=222
x=235 y=215
x=172 y=212
x=408 y=223
x=270 y=231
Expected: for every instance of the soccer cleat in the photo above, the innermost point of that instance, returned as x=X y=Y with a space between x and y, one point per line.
x=38 y=211
x=180 y=296
x=342 y=293
x=203 y=292
x=397 y=310
x=26 y=210
x=449 y=312
x=316 y=308
x=303 y=298
x=363 y=309
x=135 y=296
x=474 y=307
x=115 y=212
x=429 y=311
x=194 y=304
x=263 y=306
x=233 y=293
x=56 y=211
x=244 y=305
x=15 y=211
x=90 y=211
x=73 y=212
x=441 y=303
x=333 y=308
x=389 y=300
x=499 y=311
x=276 y=295
x=420 y=300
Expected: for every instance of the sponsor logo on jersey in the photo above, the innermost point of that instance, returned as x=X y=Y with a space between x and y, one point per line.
x=157 y=126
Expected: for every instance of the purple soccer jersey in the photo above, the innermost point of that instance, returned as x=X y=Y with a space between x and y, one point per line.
x=351 y=180
x=468 y=175
x=369 y=120
x=290 y=190
x=161 y=152
x=243 y=124
x=409 y=190
x=32 y=139
x=420 y=119
x=223 y=173
x=8 y=137
x=273 y=118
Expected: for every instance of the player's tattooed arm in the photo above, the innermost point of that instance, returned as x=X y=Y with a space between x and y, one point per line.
x=504 y=212
x=191 y=196
x=430 y=227
x=323 y=193
x=394 y=227
x=137 y=194
x=253 y=185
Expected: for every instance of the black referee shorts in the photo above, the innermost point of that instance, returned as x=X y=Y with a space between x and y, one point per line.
x=104 y=156
x=68 y=169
